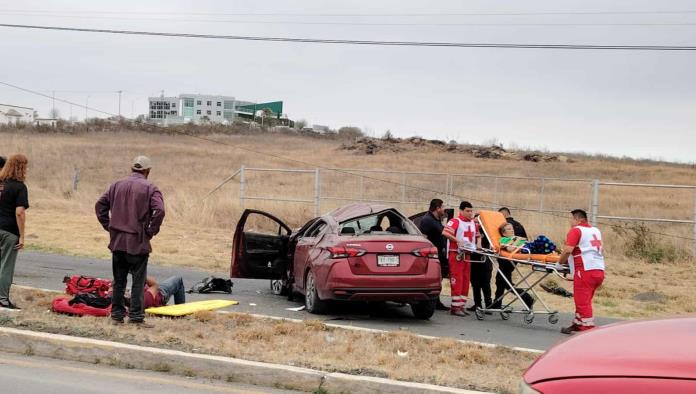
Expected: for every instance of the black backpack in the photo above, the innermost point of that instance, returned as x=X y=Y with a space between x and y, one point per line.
x=212 y=284
x=92 y=300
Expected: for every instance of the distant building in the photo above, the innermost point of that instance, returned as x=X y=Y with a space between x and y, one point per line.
x=14 y=114
x=50 y=122
x=199 y=108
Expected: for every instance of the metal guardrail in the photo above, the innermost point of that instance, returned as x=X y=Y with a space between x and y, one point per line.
x=449 y=195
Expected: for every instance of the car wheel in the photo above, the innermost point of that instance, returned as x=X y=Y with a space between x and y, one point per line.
x=313 y=303
x=423 y=309
x=279 y=286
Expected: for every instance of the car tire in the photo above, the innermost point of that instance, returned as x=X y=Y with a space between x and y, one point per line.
x=313 y=304
x=424 y=309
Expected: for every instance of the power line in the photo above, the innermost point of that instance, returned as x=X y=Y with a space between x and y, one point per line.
x=393 y=24
x=415 y=14
x=337 y=170
x=365 y=42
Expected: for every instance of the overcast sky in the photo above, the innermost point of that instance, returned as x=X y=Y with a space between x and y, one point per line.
x=639 y=104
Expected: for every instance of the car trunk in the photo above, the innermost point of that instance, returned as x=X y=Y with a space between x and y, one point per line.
x=388 y=255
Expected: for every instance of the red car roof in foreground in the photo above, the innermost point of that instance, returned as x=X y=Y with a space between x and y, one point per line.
x=654 y=348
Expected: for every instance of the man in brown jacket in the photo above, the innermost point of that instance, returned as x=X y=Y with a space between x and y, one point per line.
x=131 y=211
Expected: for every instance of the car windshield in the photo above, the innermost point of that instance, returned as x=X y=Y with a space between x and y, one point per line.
x=385 y=222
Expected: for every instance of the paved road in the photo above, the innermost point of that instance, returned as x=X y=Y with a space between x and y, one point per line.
x=46 y=271
x=22 y=374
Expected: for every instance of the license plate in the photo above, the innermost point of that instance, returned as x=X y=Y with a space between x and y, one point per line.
x=388 y=260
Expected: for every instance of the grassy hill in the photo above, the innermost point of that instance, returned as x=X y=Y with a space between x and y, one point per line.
x=198 y=231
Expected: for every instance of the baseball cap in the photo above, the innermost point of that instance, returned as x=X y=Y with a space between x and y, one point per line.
x=141 y=163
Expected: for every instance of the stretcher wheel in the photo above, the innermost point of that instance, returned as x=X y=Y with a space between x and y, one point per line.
x=529 y=318
x=479 y=314
x=505 y=314
x=553 y=318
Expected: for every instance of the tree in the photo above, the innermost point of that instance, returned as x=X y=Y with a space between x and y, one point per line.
x=300 y=124
x=388 y=135
x=350 y=132
x=54 y=113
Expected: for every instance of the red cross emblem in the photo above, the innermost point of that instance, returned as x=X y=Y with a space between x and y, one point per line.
x=596 y=242
x=469 y=234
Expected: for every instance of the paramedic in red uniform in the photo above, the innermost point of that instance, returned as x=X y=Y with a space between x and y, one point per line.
x=463 y=237
x=584 y=244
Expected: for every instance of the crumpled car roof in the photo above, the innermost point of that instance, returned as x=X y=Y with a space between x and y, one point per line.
x=357 y=210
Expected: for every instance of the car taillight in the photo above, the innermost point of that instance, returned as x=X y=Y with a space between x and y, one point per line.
x=340 y=252
x=426 y=252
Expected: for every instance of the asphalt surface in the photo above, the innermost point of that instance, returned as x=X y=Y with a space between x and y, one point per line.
x=254 y=296
x=28 y=374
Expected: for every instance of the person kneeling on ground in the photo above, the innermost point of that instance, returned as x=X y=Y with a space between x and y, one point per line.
x=512 y=243
x=158 y=294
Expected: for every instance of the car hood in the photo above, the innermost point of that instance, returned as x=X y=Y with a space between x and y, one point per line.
x=652 y=348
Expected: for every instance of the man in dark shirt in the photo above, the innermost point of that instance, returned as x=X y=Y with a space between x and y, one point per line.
x=136 y=209
x=506 y=266
x=516 y=226
x=431 y=226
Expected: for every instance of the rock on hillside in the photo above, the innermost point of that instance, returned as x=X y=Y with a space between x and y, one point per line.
x=371 y=146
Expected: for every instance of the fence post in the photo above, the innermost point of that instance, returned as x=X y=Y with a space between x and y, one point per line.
x=448 y=180
x=317 y=193
x=595 y=202
x=541 y=196
x=75 y=178
x=495 y=194
x=242 y=185
x=362 y=187
x=403 y=189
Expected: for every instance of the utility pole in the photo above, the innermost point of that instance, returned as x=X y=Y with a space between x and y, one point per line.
x=53 y=104
x=86 y=107
x=119 y=102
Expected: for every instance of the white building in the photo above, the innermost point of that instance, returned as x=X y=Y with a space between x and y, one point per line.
x=13 y=114
x=196 y=108
x=50 y=122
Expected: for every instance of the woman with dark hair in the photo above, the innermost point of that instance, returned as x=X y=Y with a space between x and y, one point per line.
x=14 y=202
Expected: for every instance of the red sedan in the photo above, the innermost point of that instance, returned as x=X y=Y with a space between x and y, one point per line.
x=361 y=252
x=657 y=356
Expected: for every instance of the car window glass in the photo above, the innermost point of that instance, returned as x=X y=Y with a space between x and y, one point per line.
x=316 y=230
x=261 y=224
x=383 y=222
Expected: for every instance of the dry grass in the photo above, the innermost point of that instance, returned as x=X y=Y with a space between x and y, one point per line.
x=198 y=233
x=311 y=344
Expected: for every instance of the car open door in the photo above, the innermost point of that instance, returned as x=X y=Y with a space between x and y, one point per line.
x=416 y=219
x=259 y=246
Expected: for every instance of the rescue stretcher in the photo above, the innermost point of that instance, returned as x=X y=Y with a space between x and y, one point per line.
x=541 y=266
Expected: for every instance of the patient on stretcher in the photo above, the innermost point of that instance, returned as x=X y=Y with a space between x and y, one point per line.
x=514 y=244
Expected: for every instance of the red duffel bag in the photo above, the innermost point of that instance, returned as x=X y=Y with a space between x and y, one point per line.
x=62 y=305
x=79 y=284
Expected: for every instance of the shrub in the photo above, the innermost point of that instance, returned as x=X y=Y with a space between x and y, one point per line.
x=642 y=243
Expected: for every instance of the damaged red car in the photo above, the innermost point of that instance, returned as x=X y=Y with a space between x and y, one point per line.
x=360 y=252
